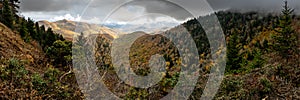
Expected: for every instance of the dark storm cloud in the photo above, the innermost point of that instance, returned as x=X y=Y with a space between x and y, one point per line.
x=254 y=5
x=162 y=7
x=49 y=5
x=267 y=6
x=55 y=5
x=102 y=7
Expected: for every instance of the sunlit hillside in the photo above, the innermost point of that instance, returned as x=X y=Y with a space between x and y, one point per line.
x=69 y=28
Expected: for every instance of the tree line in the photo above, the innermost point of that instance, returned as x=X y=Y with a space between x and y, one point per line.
x=241 y=29
x=30 y=31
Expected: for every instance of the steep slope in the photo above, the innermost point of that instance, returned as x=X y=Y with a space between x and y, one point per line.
x=27 y=73
x=67 y=28
x=18 y=60
x=13 y=46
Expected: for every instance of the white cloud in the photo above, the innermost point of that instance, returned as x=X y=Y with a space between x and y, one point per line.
x=67 y=17
x=93 y=20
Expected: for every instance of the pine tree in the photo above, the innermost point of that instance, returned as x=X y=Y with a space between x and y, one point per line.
x=43 y=36
x=50 y=36
x=24 y=31
x=38 y=32
x=14 y=6
x=31 y=29
x=285 y=41
x=7 y=15
x=233 y=59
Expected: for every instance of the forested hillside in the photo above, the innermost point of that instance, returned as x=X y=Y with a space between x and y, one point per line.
x=260 y=63
x=262 y=58
x=34 y=60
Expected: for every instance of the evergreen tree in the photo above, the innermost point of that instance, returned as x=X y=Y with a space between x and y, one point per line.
x=233 y=59
x=24 y=31
x=38 y=32
x=285 y=41
x=31 y=29
x=43 y=36
x=50 y=36
x=14 y=6
x=7 y=15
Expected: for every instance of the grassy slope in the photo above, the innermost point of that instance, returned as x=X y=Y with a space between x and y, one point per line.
x=25 y=71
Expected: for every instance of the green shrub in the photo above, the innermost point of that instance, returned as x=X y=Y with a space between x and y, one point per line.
x=38 y=83
x=258 y=61
x=52 y=75
x=4 y=74
x=266 y=86
x=17 y=72
x=136 y=94
x=232 y=85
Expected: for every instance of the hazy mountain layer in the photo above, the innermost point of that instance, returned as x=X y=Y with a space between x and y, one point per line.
x=69 y=28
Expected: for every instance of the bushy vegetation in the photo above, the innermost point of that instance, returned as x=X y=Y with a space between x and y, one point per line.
x=61 y=53
x=262 y=59
x=25 y=84
x=250 y=71
x=32 y=31
x=18 y=78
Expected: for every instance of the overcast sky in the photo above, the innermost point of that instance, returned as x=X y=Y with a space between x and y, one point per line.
x=95 y=11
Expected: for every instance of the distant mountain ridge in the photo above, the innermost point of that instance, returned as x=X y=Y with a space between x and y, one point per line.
x=146 y=27
x=70 y=28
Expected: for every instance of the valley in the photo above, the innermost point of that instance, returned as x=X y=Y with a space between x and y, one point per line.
x=67 y=59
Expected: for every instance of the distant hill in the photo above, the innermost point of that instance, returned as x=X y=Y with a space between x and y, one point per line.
x=149 y=27
x=68 y=28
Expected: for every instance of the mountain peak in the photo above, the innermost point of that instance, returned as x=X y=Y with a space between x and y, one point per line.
x=64 y=20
